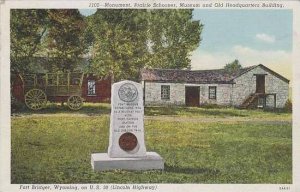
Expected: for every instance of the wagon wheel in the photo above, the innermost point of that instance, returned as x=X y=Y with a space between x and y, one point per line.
x=75 y=102
x=35 y=99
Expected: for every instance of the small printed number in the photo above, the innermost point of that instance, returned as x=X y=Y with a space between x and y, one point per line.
x=94 y=5
x=284 y=188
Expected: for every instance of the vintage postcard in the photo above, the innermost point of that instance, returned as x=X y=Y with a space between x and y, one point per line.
x=149 y=95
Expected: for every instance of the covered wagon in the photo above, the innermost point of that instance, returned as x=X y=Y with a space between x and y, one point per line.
x=35 y=90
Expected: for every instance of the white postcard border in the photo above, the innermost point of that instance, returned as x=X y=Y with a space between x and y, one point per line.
x=5 y=97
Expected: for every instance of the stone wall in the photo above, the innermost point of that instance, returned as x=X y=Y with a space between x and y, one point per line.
x=279 y=87
x=177 y=94
x=270 y=101
x=152 y=94
x=246 y=85
x=223 y=94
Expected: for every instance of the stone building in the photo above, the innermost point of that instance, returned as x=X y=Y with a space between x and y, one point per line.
x=250 y=87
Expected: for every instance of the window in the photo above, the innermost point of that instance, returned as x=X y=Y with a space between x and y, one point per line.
x=91 y=87
x=52 y=79
x=212 y=92
x=165 y=92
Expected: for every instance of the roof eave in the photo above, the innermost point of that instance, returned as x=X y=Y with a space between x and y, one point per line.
x=190 y=82
x=265 y=68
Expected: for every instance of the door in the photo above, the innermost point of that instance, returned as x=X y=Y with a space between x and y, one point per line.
x=260 y=83
x=192 y=96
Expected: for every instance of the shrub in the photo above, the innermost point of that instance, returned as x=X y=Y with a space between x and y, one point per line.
x=212 y=106
x=16 y=105
x=288 y=106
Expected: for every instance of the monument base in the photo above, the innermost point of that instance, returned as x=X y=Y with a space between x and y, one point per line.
x=102 y=162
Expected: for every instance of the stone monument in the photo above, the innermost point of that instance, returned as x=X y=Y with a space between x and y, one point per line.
x=127 y=148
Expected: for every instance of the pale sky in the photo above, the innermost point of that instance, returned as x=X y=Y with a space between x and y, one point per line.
x=251 y=36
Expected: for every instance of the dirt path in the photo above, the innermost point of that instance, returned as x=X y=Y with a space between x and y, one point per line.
x=218 y=119
x=167 y=118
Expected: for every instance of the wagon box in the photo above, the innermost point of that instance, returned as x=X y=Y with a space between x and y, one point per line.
x=36 y=89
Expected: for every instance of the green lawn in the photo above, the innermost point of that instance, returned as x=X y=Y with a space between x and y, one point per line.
x=198 y=145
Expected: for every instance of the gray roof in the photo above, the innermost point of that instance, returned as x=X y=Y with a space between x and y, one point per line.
x=218 y=76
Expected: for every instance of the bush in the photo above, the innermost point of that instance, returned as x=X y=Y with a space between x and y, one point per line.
x=16 y=105
x=288 y=106
x=212 y=106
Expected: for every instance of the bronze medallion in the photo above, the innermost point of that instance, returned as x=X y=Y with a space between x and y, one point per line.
x=128 y=141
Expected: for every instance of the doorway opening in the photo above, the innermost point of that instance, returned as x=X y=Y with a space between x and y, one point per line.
x=260 y=84
x=192 y=96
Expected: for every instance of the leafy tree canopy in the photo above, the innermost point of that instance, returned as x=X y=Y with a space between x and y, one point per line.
x=118 y=41
x=233 y=67
x=173 y=36
x=55 y=34
x=127 y=40
x=65 y=39
x=28 y=26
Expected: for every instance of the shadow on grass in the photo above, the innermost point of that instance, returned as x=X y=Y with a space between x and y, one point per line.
x=189 y=170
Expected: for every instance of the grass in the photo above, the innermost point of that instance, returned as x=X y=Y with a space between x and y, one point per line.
x=198 y=145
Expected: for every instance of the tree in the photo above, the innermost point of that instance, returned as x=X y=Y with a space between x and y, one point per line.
x=173 y=36
x=119 y=42
x=233 y=67
x=65 y=43
x=28 y=27
x=56 y=34
x=127 y=40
